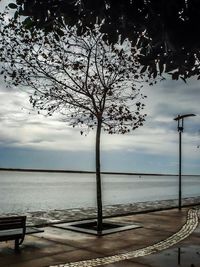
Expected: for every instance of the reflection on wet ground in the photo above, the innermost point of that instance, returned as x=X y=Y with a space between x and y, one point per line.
x=175 y=257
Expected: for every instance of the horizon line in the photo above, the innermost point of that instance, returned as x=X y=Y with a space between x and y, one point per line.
x=81 y=171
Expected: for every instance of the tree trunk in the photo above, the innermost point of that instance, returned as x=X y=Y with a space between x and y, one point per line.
x=98 y=180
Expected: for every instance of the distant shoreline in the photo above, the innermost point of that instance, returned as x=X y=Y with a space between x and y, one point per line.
x=79 y=171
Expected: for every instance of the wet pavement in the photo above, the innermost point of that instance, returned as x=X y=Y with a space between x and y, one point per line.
x=188 y=256
x=58 y=246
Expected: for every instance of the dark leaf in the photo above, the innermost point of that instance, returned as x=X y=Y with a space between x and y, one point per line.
x=12 y=5
x=56 y=37
x=175 y=75
x=143 y=69
x=28 y=23
x=59 y=32
x=161 y=68
x=16 y=15
x=154 y=74
x=183 y=79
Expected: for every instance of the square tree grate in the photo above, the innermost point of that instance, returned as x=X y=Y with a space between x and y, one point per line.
x=90 y=227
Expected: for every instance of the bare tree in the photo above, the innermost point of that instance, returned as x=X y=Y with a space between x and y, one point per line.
x=89 y=81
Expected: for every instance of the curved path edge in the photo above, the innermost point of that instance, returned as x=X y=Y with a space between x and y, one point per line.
x=189 y=226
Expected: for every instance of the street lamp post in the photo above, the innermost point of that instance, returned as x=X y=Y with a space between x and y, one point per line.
x=180 y=119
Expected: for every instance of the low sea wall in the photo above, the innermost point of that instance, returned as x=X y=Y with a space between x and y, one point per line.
x=44 y=218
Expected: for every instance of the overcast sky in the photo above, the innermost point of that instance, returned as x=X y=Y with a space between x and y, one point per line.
x=29 y=140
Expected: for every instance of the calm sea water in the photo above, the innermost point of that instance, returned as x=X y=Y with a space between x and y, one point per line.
x=34 y=191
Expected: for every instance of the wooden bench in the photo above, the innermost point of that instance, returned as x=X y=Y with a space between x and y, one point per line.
x=14 y=228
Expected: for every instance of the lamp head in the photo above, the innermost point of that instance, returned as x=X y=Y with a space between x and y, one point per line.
x=179 y=117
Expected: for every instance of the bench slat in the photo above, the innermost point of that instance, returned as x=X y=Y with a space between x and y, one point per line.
x=12 y=222
x=11 y=231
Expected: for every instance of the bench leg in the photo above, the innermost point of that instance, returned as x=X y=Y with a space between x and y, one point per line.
x=16 y=244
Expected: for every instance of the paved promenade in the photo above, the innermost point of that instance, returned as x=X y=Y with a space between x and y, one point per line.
x=168 y=238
